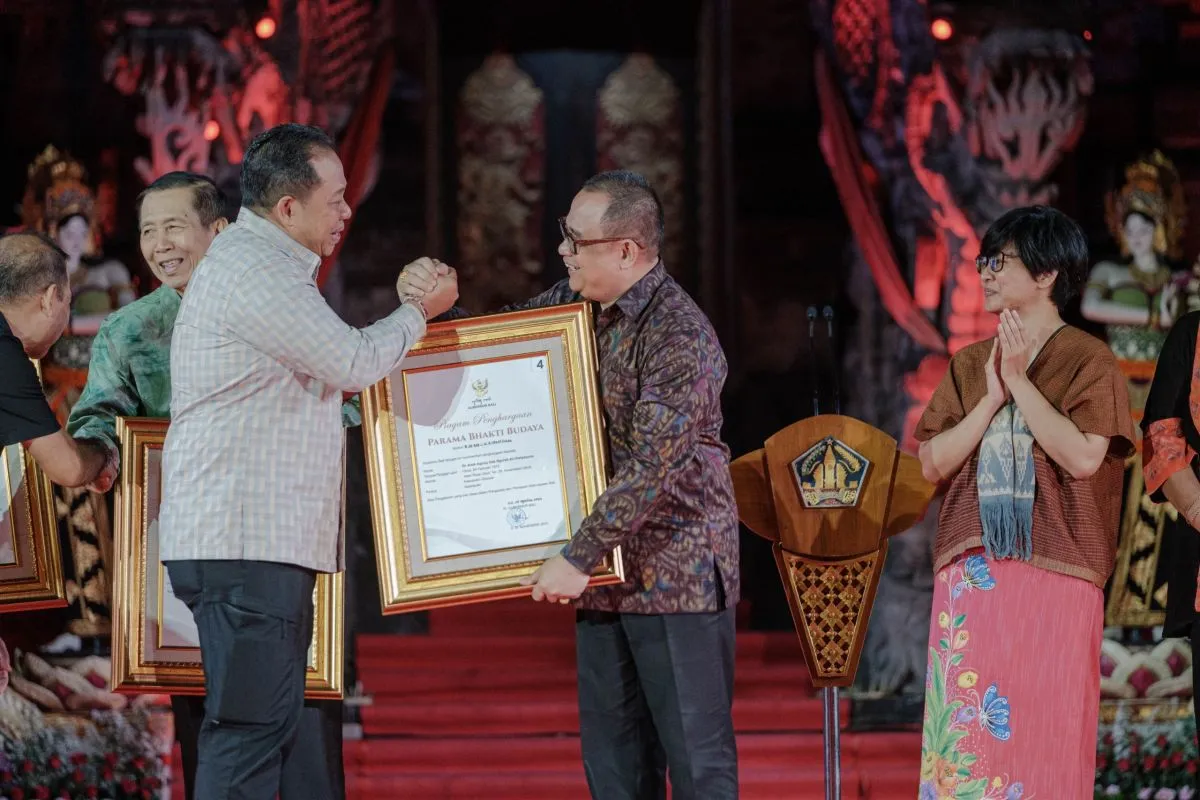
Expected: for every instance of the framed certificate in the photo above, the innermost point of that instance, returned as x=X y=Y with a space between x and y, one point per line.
x=156 y=647
x=485 y=451
x=31 y=575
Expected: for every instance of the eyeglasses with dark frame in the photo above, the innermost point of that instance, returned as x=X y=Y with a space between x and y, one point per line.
x=994 y=264
x=578 y=243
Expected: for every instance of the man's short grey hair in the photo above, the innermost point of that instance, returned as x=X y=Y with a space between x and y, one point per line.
x=634 y=209
x=29 y=263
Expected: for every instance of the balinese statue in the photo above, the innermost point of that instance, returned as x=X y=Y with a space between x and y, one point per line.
x=1137 y=299
x=59 y=203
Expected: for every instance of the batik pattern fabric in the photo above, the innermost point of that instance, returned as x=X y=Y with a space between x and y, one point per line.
x=993 y=709
x=669 y=503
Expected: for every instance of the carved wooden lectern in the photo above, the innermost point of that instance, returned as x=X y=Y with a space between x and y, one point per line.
x=828 y=491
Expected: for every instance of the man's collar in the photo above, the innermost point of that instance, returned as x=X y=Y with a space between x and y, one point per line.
x=636 y=298
x=275 y=235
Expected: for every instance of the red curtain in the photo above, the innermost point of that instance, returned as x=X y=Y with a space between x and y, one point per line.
x=839 y=145
x=358 y=145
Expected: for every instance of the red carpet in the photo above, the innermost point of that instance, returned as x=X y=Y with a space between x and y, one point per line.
x=484 y=708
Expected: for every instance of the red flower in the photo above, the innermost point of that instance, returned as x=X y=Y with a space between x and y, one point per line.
x=147 y=794
x=6 y=776
x=1191 y=768
x=55 y=762
x=27 y=767
x=1176 y=759
x=139 y=763
x=128 y=785
x=1162 y=741
x=77 y=775
x=152 y=782
x=106 y=774
x=1148 y=763
x=1101 y=761
x=93 y=792
x=17 y=793
x=1123 y=765
x=78 y=759
x=41 y=793
x=110 y=759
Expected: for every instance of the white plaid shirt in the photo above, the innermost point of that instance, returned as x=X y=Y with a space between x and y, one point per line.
x=253 y=461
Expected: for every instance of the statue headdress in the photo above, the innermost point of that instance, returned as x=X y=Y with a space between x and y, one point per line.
x=1153 y=189
x=55 y=190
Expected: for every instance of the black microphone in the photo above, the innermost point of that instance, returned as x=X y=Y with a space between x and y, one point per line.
x=812 y=355
x=835 y=367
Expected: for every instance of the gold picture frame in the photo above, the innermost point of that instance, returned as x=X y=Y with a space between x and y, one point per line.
x=155 y=649
x=31 y=572
x=492 y=460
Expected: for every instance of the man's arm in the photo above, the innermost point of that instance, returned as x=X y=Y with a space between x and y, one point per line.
x=284 y=315
x=108 y=394
x=26 y=417
x=71 y=463
x=680 y=388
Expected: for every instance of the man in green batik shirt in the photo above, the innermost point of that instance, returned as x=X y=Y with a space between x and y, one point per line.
x=179 y=215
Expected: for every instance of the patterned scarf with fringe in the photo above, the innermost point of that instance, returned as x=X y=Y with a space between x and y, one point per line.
x=1007 y=485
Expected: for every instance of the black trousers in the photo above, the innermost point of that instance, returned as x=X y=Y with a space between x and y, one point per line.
x=255 y=623
x=656 y=698
x=314 y=761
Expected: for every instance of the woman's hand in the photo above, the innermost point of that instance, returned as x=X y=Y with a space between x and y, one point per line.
x=997 y=394
x=1015 y=347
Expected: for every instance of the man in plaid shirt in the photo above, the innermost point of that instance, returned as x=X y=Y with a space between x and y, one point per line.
x=253 y=462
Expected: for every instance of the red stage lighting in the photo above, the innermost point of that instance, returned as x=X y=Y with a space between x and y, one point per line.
x=941 y=29
x=265 y=27
x=212 y=129
x=1087 y=36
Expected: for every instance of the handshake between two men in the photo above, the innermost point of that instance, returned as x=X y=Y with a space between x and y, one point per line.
x=430 y=284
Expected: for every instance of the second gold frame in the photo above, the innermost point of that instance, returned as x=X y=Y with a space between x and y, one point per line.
x=154 y=643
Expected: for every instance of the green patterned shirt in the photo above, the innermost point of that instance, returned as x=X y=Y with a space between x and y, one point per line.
x=130 y=371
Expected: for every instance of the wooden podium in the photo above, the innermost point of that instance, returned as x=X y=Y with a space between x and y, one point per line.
x=828 y=492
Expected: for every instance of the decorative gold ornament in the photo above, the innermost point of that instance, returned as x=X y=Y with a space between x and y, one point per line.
x=57 y=189
x=1153 y=189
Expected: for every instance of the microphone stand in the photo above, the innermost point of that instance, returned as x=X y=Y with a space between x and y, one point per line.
x=831 y=695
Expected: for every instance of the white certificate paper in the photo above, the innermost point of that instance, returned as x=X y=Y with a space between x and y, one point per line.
x=489 y=469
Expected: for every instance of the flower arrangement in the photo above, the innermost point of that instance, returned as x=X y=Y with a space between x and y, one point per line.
x=1154 y=760
x=106 y=756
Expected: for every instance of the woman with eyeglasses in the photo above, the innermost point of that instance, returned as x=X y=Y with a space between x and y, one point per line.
x=1027 y=434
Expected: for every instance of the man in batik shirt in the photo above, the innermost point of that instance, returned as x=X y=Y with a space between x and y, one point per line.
x=179 y=215
x=655 y=654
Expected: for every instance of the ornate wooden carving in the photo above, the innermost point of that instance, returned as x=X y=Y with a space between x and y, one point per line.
x=500 y=133
x=639 y=127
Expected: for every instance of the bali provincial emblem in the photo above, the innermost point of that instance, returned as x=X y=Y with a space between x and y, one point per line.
x=480 y=385
x=830 y=474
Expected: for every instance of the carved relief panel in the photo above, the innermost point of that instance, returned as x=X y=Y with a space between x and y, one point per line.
x=639 y=127
x=500 y=138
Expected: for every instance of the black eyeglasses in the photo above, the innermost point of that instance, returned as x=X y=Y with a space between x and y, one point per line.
x=992 y=263
x=578 y=243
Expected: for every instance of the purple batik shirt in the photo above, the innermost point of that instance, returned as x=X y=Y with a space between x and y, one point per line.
x=669 y=503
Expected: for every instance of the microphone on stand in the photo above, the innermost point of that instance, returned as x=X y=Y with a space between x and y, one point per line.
x=837 y=381
x=812 y=355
